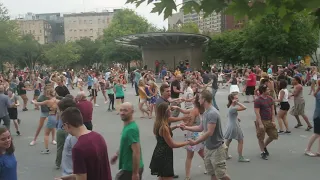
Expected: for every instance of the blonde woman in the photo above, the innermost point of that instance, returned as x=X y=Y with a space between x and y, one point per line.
x=143 y=98
x=52 y=104
x=154 y=91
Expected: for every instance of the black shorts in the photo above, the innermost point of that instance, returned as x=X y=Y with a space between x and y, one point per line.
x=13 y=113
x=94 y=92
x=316 y=125
x=285 y=106
x=121 y=97
x=89 y=87
x=250 y=90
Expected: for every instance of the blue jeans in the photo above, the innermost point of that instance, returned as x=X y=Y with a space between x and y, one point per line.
x=214 y=103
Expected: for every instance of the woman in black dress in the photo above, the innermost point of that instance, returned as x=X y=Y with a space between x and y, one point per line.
x=162 y=159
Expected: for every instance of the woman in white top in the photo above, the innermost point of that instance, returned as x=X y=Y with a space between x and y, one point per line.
x=188 y=94
x=314 y=78
x=284 y=106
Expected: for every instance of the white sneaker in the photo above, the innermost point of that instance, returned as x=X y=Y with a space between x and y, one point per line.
x=96 y=105
x=54 y=142
x=32 y=143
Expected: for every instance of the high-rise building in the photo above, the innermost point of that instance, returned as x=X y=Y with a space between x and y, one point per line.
x=86 y=25
x=214 y=23
x=40 y=29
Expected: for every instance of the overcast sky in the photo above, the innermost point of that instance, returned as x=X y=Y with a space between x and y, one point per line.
x=20 y=7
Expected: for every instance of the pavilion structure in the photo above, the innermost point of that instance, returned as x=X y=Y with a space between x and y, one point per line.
x=168 y=48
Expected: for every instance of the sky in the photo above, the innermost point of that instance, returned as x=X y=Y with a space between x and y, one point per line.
x=21 y=7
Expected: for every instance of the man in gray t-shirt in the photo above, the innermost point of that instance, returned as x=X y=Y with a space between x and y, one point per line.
x=215 y=149
x=212 y=116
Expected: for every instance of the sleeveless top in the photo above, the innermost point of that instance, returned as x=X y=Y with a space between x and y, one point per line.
x=197 y=120
x=286 y=95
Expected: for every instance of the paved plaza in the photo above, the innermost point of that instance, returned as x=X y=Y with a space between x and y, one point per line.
x=286 y=161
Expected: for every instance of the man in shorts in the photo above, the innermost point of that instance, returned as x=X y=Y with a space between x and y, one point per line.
x=265 y=121
x=215 y=153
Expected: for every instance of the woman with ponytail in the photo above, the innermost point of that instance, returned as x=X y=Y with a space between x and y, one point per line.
x=233 y=127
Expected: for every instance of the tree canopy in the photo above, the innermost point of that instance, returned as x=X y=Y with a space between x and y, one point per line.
x=253 y=9
x=265 y=41
x=186 y=27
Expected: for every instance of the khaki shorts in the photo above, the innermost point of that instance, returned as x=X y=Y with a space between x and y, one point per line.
x=215 y=161
x=269 y=128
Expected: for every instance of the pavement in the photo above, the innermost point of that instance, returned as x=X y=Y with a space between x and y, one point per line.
x=286 y=162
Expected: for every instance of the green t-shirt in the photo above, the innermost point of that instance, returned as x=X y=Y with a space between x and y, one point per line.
x=119 y=90
x=130 y=135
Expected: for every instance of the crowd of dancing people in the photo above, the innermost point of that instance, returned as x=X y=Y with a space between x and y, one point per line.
x=179 y=99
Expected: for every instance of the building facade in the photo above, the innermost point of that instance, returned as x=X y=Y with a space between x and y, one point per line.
x=86 y=25
x=214 y=23
x=57 y=25
x=40 y=29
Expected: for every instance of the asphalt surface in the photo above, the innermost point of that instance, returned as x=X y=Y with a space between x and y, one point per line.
x=286 y=161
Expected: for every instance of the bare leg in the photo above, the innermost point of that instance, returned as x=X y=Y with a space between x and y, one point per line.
x=280 y=120
x=306 y=120
x=285 y=120
x=240 y=147
x=188 y=162
x=46 y=138
x=40 y=125
x=312 y=139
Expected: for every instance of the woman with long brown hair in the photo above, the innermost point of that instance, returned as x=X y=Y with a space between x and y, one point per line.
x=161 y=163
x=8 y=162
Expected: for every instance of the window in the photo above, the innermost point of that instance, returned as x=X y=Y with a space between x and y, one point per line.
x=34 y=31
x=85 y=30
x=91 y=31
x=85 y=21
x=107 y=20
x=40 y=31
x=29 y=31
x=103 y=21
x=75 y=31
x=80 y=21
x=80 y=30
x=90 y=21
x=98 y=21
x=74 y=21
x=38 y=38
x=70 y=30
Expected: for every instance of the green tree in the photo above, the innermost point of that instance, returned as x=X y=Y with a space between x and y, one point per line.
x=63 y=54
x=124 y=22
x=254 y=9
x=8 y=36
x=89 y=51
x=226 y=48
x=28 y=52
x=187 y=28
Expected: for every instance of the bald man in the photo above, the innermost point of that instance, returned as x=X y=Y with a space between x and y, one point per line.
x=4 y=105
x=130 y=158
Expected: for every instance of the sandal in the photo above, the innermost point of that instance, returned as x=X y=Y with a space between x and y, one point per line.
x=309 y=153
x=308 y=128
x=298 y=125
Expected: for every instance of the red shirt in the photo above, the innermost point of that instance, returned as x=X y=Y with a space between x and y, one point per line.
x=252 y=81
x=90 y=156
x=86 y=109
